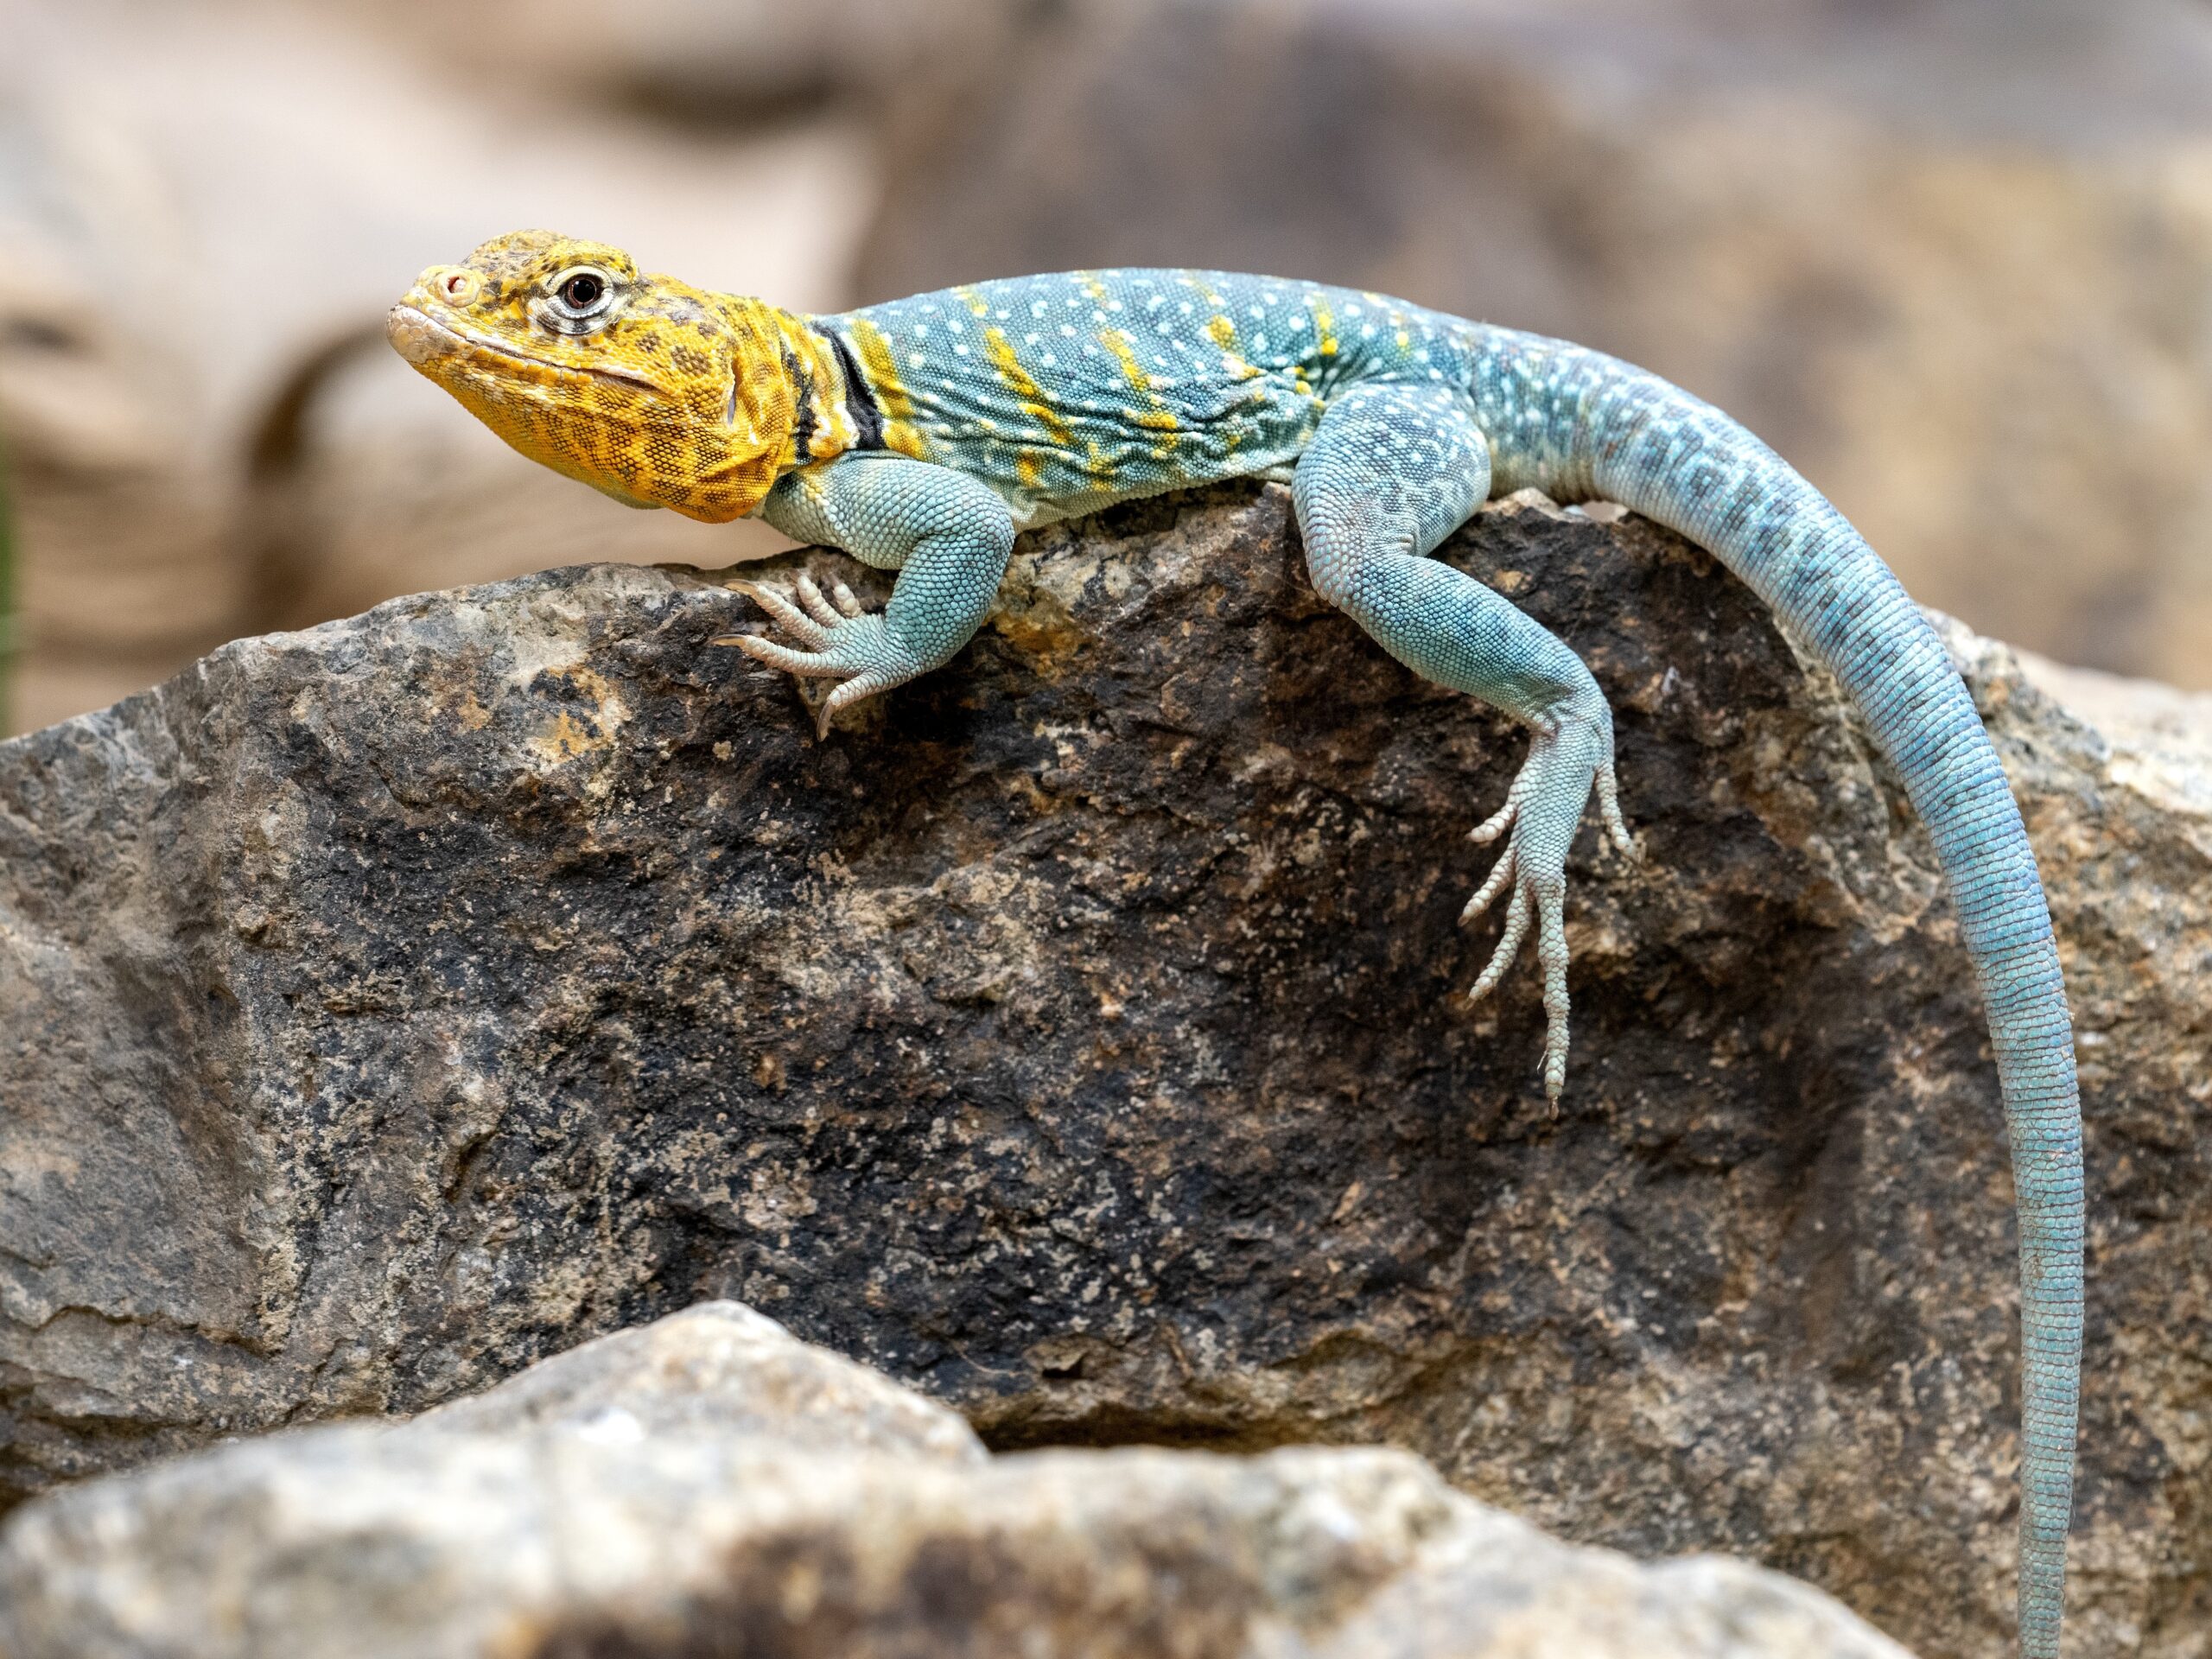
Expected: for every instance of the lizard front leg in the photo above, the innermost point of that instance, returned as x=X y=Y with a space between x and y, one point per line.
x=946 y=535
x=1392 y=470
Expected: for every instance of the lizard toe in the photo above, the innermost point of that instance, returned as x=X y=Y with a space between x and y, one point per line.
x=818 y=608
x=787 y=616
x=1508 y=945
x=804 y=663
x=1551 y=953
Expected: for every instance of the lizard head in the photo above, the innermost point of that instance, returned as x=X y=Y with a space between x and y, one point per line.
x=650 y=391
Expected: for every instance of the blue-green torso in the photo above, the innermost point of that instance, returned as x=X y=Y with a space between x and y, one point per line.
x=1067 y=392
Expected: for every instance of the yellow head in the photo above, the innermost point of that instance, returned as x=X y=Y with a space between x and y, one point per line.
x=659 y=394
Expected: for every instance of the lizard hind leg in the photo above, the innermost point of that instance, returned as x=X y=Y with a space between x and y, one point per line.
x=1392 y=470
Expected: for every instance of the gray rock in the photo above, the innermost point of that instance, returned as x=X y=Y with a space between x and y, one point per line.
x=718 y=1368
x=548 y=1535
x=1076 y=1037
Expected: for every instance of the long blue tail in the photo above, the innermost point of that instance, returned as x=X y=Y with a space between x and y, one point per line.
x=1631 y=437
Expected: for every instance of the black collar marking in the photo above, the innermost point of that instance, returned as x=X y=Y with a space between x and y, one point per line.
x=866 y=418
x=802 y=438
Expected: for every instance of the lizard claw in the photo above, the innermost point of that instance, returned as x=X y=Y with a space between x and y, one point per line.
x=1539 y=819
x=1546 y=899
x=842 y=640
x=1609 y=809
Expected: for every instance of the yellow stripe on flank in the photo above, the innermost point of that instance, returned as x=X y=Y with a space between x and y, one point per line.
x=1093 y=287
x=973 y=301
x=891 y=395
x=1158 y=417
x=1101 y=468
x=1115 y=340
x=1222 y=332
x=1325 y=325
x=1000 y=350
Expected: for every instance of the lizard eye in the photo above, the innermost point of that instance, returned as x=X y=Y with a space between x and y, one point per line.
x=582 y=300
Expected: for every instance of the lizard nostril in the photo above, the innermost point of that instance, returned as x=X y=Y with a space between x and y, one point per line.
x=459 y=286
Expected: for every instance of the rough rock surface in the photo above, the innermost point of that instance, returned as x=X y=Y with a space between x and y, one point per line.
x=717 y=1368
x=1076 y=1037
x=795 y=1531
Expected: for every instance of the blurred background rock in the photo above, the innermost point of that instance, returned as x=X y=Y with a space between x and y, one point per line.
x=1953 y=257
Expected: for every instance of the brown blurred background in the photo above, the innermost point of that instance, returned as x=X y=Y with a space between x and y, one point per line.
x=1953 y=259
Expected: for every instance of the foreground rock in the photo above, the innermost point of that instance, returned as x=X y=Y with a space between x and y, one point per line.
x=703 y=1505
x=1076 y=1038
x=717 y=1370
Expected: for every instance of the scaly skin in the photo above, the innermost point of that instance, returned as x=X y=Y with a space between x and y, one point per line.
x=920 y=435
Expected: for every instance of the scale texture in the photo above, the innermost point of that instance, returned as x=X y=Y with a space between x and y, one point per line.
x=919 y=435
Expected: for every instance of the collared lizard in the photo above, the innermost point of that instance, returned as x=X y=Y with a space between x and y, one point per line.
x=921 y=435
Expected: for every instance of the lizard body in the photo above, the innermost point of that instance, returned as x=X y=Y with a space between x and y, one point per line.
x=921 y=434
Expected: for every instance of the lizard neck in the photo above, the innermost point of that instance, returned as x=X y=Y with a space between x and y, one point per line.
x=788 y=387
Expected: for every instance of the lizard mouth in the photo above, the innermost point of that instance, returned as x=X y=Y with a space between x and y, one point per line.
x=423 y=340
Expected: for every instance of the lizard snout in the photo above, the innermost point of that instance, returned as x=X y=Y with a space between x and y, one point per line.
x=414 y=336
x=455 y=284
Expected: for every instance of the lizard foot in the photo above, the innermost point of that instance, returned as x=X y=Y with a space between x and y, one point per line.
x=843 y=642
x=1541 y=812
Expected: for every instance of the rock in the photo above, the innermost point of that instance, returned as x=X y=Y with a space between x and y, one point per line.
x=2161 y=738
x=721 y=1368
x=1951 y=258
x=1076 y=1037
x=803 y=1532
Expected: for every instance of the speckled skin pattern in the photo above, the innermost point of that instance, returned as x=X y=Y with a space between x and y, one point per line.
x=919 y=435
